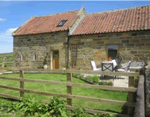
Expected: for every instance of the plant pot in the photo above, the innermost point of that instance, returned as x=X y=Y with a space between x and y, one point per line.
x=64 y=68
x=45 y=66
x=136 y=83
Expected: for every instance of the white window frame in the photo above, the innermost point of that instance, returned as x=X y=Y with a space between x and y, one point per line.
x=34 y=56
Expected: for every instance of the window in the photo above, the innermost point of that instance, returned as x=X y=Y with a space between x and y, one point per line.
x=112 y=51
x=34 y=56
x=19 y=56
x=61 y=23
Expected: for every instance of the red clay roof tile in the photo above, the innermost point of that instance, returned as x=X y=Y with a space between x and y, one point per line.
x=137 y=18
x=115 y=21
x=47 y=23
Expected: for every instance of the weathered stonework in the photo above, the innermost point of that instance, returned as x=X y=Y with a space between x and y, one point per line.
x=42 y=45
x=131 y=45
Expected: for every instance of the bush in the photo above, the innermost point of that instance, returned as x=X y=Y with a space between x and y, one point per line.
x=95 y=79
x=104 y=83
x=75 y=74
x=56 y=108
x=80 y=76
x=136 y=78
x=90 y=78
x=79 y=112
x=29 y=106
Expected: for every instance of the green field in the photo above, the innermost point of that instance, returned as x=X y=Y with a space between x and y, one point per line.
x=7 y=54
x=10 y=58
x=122 y=96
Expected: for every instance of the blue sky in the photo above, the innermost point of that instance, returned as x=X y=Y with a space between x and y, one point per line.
x=13 y=13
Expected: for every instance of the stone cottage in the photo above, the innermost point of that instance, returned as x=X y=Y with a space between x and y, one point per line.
x=44 y=40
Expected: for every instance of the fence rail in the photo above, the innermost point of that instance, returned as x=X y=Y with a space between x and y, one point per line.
x=32 y=71
x=131 y=90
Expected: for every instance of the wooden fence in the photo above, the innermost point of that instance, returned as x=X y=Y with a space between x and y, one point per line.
x=4 y=62
x=131 y=90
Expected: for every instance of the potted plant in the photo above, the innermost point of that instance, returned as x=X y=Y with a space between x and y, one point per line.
x=64 y=67
x=136 y=81
x=45 y=63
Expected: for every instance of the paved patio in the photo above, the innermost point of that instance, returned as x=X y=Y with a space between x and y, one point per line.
x=119 y=81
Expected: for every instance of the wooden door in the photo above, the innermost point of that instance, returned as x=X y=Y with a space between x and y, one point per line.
x=55 y=59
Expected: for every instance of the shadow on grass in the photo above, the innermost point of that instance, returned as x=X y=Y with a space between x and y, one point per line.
x=125 y=108
x=10 y=99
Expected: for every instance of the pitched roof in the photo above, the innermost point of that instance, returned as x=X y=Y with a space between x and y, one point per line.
x=46 y=23
x=137 y=18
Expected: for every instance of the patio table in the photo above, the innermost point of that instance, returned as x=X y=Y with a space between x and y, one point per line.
x=137 y=66
x=108 y=66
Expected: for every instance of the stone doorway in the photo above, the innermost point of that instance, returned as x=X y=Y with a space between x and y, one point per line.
x=55 y=59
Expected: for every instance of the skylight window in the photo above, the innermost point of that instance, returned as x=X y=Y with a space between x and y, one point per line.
x=61 y=23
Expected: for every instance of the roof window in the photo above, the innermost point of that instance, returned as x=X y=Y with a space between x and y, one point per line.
x=61 y=23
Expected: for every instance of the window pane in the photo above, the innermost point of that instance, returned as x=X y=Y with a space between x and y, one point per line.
x=112 y=51
x=55 y=54
x=61 y=23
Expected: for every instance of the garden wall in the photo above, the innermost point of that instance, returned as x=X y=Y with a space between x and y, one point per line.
x=147 y=93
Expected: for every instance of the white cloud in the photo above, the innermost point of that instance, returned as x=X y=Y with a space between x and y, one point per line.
x=6 y=41
x=10 y=31
x=2 y=19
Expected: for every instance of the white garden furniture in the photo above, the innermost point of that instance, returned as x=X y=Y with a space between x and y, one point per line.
x=125 y=67
x=93 y=64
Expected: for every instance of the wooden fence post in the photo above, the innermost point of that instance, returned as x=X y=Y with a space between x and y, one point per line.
x=3 y=64
x=69 y=89
x=21 y=83
x=131 y=95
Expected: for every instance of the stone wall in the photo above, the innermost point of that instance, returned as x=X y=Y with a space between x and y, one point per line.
x=131 y=45
x=41 y=44
x=147 y=92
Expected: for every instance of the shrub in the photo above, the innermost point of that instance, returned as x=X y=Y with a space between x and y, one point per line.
x=75 y=74
x=80 y=76
x=95 y=79
x=56 y=108
x=79 y=112
x=29 y=106
x=104 y=83
x=136 y=78
x=90 y=78
x=110 y=83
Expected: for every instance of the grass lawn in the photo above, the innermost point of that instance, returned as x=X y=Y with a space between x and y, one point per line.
x=7 y=54
x=8 y=59
x=122 y=96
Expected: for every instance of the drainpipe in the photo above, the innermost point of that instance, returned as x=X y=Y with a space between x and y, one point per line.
x=68 y=51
